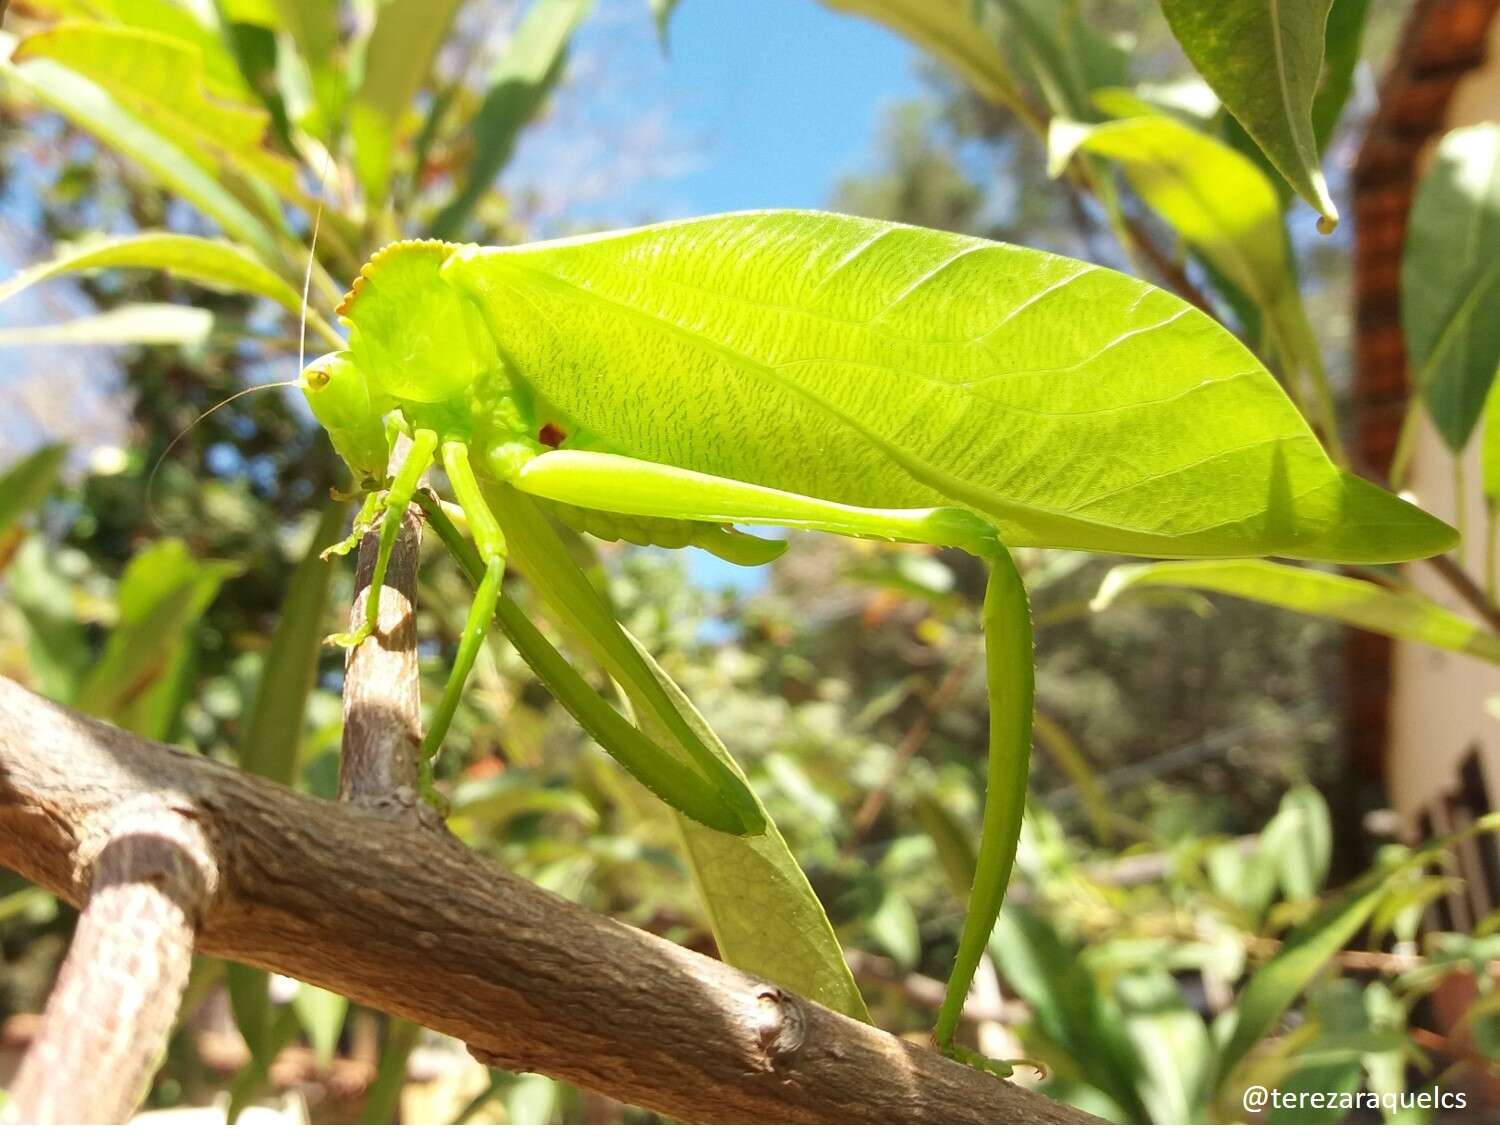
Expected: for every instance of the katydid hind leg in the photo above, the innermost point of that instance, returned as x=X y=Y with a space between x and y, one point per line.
x=397 y=498
x=619 y=484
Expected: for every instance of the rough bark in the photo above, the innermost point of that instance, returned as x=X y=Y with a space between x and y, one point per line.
x=382 y=695
x=399 y=915
x=143 y=871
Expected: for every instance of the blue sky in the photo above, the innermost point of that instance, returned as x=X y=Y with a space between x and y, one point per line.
x=757 y=104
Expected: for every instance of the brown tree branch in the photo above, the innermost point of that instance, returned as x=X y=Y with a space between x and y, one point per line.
x=381 y=752
x=403 y=918
x=144 y=872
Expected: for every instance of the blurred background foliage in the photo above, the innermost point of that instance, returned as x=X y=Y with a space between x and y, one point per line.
x=1177 y=832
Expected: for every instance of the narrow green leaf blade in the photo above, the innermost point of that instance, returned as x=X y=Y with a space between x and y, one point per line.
x=159 y=324
x=949 y=31
x=1450 y=280
x=526 y=73
x=210 y=262
x=888 y=366
x=25 y=484
x=273 y=725
x=1360 y=603
x=1263 y=58
x=92 y=109
x=398 y=57
x=1345 y=35
x=163 y=592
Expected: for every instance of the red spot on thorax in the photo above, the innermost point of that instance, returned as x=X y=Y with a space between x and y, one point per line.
x=552 y=435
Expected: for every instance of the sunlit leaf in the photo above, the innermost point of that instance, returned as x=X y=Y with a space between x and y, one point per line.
x=93 y=109
x=212 y=263
x=1221 y=204
x=524 y=75
x=162 y=81
x=322 y=1016
x=1450 y=280
x=1360 y=603
x=127 y=324
x=948 y=30
x=398 y=57
x=1071 y=405
x=1264 y=58
x=162 y=594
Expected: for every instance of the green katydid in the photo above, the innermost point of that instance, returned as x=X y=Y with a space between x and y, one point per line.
x=815 y=371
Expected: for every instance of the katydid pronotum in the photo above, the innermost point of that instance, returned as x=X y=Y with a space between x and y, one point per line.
x=812 y=371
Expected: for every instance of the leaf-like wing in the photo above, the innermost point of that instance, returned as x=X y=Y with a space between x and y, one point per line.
x=895 y=367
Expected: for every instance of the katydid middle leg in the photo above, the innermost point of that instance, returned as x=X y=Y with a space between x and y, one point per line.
x=490 y=541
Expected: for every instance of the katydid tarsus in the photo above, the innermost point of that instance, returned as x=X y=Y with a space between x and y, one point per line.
x=811 y=371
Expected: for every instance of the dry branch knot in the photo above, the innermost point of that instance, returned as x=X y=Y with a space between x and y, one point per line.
x=780 y=1026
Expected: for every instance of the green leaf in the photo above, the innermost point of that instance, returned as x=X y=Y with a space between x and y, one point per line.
x=1401 y=614
x=398 y=57
x=162 y=80
x=888 y=366
x=531 y=66
x=322 y=1015
x=1176 y=1054
x=273 y=724
x=384 y=1093
x=212 y=263
x=1264 y=58
x=1345 y=34
x=661 y=15
x=26 y=484
x=948 y=30
x=763 y=913
x=1227 y=211
x=1277 y=985
x=1303 y=844
x=1450 y=280
x=127 y=324
x=91 y=108
x=314 y=29
x=250 y=1000
x=162 y=594
x=1489 y=454
x=57 y=651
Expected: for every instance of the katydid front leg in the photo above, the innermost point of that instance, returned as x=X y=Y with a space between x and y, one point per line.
x=398 y=497
x=629 y=485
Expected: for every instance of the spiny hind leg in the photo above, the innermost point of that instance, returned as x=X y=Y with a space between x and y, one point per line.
x=490 y=541
x=397 y=498
x=628 y=485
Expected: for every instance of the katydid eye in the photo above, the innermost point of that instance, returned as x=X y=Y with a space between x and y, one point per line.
x=552 y=435
x=317 y=378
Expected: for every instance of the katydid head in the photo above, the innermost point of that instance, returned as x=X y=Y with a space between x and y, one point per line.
x=352 y=413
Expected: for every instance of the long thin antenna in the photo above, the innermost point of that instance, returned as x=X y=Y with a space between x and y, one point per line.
x=312 y=252
x=183 y=433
